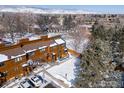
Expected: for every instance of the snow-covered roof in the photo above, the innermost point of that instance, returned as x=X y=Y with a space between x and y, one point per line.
x=42 y=47
x=54 y=44
x=59 y=41
x=17 y=56
x=33 y=38
x=24 y=65
x=7 y=39
x=3 y=58
x=53 y=34
x=31 y=50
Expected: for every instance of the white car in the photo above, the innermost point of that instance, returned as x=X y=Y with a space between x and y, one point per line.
x=35 y=80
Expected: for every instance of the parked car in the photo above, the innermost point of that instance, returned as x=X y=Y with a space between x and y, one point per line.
x=40 y=78
x=35 y=80
x=45 y=82
x=26 y=83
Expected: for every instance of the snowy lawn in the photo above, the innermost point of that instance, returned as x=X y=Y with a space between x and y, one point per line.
x=65 y=69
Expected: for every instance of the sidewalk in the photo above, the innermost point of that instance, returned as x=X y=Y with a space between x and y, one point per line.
x=60 y=82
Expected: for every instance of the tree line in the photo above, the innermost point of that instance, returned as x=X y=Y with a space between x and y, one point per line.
x=99 y=60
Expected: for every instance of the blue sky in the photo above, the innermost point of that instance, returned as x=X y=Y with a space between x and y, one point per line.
x=91 y=8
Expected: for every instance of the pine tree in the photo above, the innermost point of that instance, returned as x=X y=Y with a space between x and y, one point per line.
x=68 y=22
x=95 y=69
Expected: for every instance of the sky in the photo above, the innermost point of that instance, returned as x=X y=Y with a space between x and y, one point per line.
x=90 y=8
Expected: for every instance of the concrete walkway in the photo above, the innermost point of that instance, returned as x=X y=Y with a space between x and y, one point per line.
x=60 y=82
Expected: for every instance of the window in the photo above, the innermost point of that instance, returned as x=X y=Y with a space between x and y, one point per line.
x=3 y=74
x=18 y=59
x=16 y=69
x=65 y=50
x=63 y=45
x=1 y=64
x=0 y=74
x=43 y=49
x=31 y=53
x=54 y=48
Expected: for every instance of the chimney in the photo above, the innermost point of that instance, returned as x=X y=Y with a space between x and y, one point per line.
x=2 y=45
x=23 y=40
x=44 y=37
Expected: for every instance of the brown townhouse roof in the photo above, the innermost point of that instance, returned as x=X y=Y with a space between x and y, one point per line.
x=37 y=45
x=21 y=50
x=12 y=52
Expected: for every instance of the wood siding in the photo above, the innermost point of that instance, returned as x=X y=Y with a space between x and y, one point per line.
x=13 y=67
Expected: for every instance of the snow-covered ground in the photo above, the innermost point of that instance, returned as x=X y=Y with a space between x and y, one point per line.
x=38 y=69
x=65 y=69
x=81 y=46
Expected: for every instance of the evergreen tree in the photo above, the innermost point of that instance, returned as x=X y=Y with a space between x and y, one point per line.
x=43 y=22
x=94 y=69
x=68 y=22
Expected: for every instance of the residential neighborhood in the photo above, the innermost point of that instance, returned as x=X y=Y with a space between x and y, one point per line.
x=53 y=48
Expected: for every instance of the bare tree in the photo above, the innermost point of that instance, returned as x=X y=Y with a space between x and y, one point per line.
x=29 y=20
x=16 y=25
x=68 y=22
x=21 y=27
x=10 y=24
x=43 y=22
x=79 y=40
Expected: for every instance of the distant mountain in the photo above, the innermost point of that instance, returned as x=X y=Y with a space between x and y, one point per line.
x=34 y=9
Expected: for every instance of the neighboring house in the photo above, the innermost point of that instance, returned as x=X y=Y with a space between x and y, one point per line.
x=19 y=59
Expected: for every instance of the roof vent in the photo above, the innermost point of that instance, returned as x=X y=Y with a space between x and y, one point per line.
x=23 y=40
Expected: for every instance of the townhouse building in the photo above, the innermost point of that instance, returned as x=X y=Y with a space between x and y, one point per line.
x=20 y=59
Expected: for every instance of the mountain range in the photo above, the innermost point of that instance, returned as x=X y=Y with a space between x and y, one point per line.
x=39 y=9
